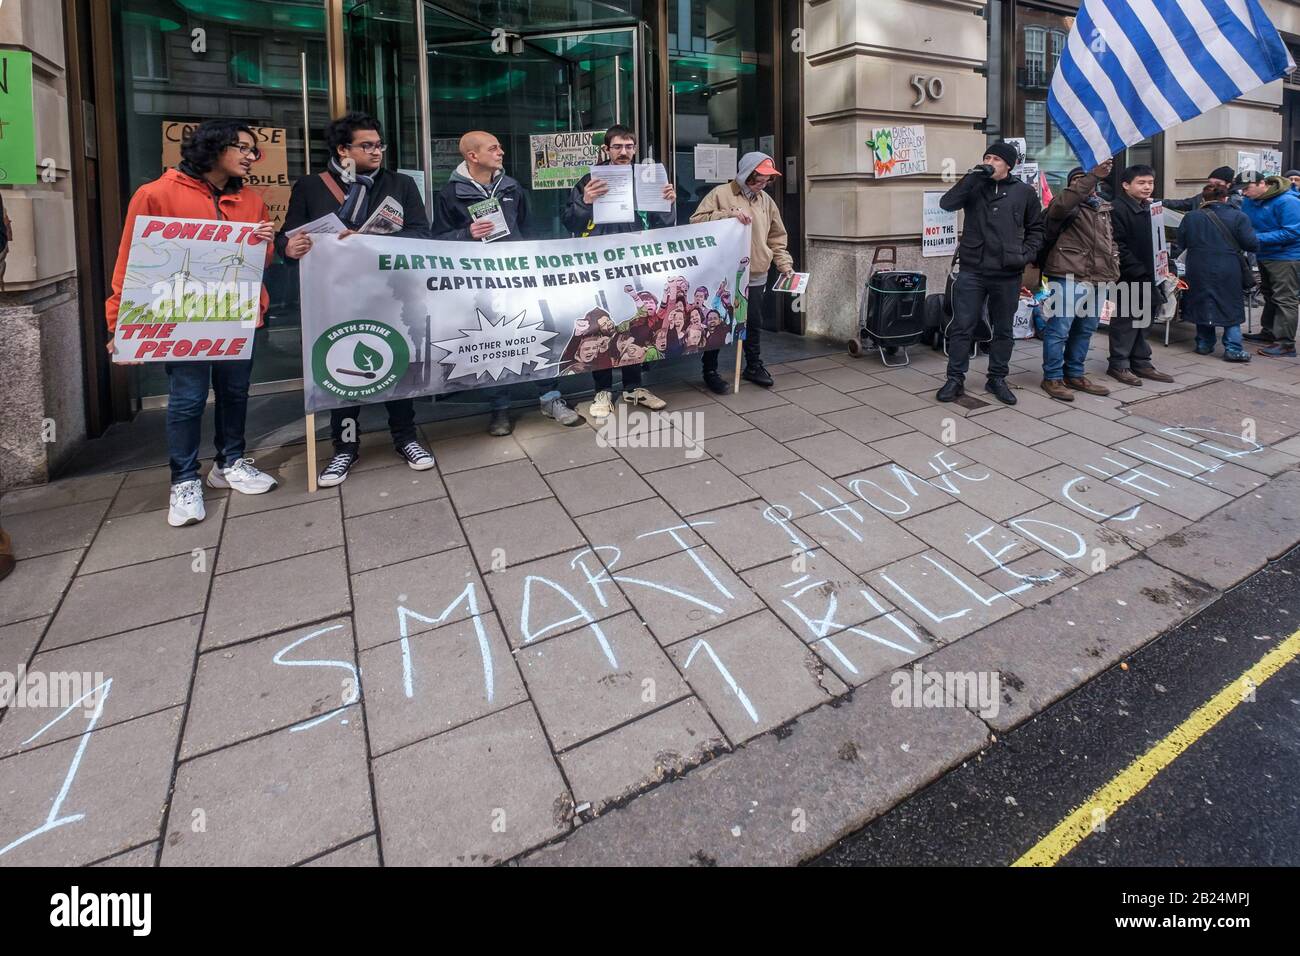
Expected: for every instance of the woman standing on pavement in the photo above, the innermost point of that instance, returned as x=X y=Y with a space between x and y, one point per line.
x=1213 y=235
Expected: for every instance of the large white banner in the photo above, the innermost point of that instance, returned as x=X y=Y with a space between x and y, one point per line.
x=386 y=318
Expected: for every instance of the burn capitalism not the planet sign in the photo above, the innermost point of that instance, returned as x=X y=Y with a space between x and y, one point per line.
x=386 y=318
x=192 y=291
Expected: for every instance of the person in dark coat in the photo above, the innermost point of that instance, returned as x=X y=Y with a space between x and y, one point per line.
x=353 y=186
x=1214 y=298
x=1130 y=353
x=1002 y=234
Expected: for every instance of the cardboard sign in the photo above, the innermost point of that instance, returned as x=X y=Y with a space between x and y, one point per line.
x=270 y=174
x=560 y=159
x=192 y=291
x=17 y=119
x=899 y=151
x=1159 y=241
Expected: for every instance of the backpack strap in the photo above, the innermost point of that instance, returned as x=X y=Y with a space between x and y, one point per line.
x=333 y=187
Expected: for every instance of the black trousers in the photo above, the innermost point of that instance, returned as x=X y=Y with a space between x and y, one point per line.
x=753 y=332
x=1129 y=348
x=401 y=423
x=969 y=294
x=604 y=377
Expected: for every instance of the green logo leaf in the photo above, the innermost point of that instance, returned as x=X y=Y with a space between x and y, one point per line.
x=366 y=358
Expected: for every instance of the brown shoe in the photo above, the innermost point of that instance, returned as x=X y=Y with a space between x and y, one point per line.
x=1056 y=388
x=1084 y=385
x=1124 y=375
x=6 y=555
x=1153 y=375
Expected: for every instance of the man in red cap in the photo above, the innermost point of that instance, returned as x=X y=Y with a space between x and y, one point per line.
x=744 y=198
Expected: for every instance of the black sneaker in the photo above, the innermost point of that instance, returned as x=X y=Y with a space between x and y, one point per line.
x=757 y=373
x=998 y=388
x=336 y=472
x=500 y=425
x=951 y=391
x=715 y=383
x=416 y=455
x=1263 y=335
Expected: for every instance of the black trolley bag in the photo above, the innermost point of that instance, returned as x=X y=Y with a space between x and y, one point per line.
x=892 y=313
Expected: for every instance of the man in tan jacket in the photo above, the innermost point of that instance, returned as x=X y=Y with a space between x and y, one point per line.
x=744 y=198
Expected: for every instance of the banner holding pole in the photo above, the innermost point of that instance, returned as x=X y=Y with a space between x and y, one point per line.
x=386 y=318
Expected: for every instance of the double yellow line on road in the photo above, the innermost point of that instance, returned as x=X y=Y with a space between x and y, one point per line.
x=1130 y=781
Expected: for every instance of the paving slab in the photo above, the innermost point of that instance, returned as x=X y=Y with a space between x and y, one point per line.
x=541 y=599
x=583 y=686
x=941 y=424
x=150 y=669
x=390 y=487
x=670 y=448
x=866 y=424
x=69 y=527
x=1068 y=536
x=946 y=601
x=687 y=593
x=750 y=534
x=750 y=398
x=1076 y=421
x=364 y=852
x=1185 y=496
x=597 y=487
x=844 y=379
x=69 y=491
x=908 y=379
x=124 y=599
x=520 y=534
x=474 y=451
x=894 y=491
x=18 y=643
x=147 y=537
x=444 y=678
x=701 y=486
x=400 y=534
x=1237 y=541
x=788 y=422
x=1149 y=525
x=836 y=453
x=35 y=586
x=747 y=451
x=835 y=769
x=145 y=856
x=632 y=534
x=479 y=794
x=820 y=398
x=1009 y=457
x=1085 y=494
x=275 y=597
x=891 y=400
x=572 y=448
x=715 y=420
x=858 y=537
x=273 y=800
x=798 y=488
x=291 y=491
x=279 y=534
x=921 y=454
x=1088 y=456
x=754 y=674
x=815 y=595
x=784 y=378
x=992 y=494
x=1021 y=426
x=973 y=540
x=268 y=684
x=659 y=746
x=113 y=799
x=444 y=588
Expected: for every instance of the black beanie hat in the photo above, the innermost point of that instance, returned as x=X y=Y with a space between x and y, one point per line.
x=1076 y=172
x=1226 y=173
x=1004 y=151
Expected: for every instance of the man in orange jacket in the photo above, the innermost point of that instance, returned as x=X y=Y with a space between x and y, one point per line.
x=208 y=184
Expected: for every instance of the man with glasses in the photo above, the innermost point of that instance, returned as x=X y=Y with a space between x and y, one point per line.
x=745 y=199
x=354 y=186
x=619 y=149
x=216 y=158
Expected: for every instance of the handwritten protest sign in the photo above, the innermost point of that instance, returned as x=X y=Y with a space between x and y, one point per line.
x=561 y=159
x=938 y=227
x=443 y=316
x=192 y=291
x=270 y=174
x=899 y=151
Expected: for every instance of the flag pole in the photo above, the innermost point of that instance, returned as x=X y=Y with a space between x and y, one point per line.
x=311 y=452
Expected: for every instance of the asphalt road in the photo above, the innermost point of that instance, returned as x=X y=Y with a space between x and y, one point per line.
x=1232 y=798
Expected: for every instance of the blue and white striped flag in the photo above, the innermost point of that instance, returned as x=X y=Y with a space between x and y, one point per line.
x=1132 y=68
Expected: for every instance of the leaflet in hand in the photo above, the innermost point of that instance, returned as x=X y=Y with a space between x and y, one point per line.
x=327 y=225
x=490 y=210
x=385 y=220
x=619 y=203
x=794 y=282
x=651 y=178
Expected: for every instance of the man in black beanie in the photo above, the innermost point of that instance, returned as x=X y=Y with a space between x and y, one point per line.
x=1002 y=234
x=1224 y=176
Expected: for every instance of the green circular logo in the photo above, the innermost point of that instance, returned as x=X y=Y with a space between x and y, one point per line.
x=357 y=360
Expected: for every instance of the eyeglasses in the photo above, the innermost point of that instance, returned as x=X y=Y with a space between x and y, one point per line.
x=247 y=150
x=369 y=147
x=623 y=148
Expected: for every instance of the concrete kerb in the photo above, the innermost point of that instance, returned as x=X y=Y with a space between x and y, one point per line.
x=787 y=795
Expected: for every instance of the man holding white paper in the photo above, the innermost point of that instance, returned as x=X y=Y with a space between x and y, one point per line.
x=352 y=192
x=583 y=217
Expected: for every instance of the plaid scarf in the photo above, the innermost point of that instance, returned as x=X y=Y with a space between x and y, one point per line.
x=353 y=211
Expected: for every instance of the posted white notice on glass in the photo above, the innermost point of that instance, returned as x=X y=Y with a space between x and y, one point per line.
x=715 y=163
x=938 y=227
x=619 y=203
x=651 y=178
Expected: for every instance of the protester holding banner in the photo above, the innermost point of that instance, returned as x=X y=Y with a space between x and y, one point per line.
x=745 y=198
x=208 y=184
x=1130 y=353
x=579 y=218
x=1081 y=261
x=354 y=187
x=1274 y=210
x=481 y=202
x=1002 y=234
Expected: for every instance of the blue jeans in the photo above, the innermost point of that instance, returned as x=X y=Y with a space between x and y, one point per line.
x=187 y=395
x=1068 y=333
x=1205 y=336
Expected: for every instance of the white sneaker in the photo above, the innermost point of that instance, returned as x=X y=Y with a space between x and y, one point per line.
x=562 y=413
x=186 y=506
x=602 y=405
x=242 y=477
x=643 y=396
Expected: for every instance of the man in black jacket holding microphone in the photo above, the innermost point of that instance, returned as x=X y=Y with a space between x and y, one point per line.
x=1003 y=232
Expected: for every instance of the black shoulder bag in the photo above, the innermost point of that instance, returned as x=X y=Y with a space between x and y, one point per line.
x=1248 y=282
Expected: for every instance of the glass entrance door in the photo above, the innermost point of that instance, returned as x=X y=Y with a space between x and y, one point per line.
x=518 y=87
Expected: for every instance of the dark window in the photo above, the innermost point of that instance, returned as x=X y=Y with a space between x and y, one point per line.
x=246 y=59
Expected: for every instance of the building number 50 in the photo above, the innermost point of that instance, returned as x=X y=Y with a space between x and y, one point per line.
x=931 y=86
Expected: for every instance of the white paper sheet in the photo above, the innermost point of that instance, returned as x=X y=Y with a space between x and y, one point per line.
x=651 y=178
x=619 y=204
x=327 y=225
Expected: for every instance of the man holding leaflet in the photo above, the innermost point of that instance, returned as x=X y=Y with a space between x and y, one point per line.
x=579 y=218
